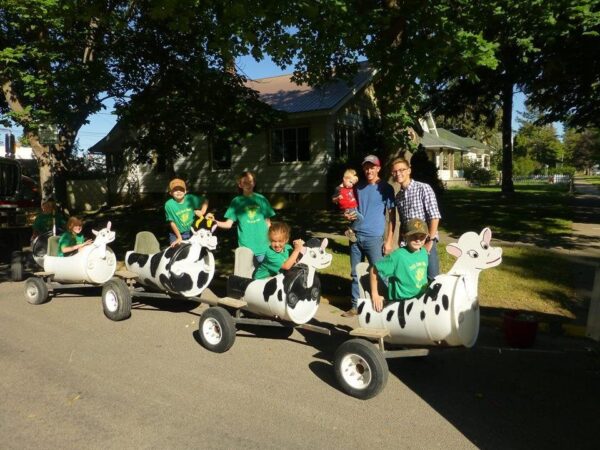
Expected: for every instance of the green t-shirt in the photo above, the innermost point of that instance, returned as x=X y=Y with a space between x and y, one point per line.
x=43 y=222
x=271 y=265
x=68 y=239
x=182 y=214
x=250 y=214
x=405 y=271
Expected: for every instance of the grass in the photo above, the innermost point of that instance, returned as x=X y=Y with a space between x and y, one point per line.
x=533 y=214
x=595 y=180
x=531 y=277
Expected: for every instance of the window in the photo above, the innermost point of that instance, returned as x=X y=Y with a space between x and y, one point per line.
x=290 y=145
x=220 y=151
x=345 y=137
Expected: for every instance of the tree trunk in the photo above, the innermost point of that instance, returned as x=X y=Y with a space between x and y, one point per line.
x=507 y=143
x=46 y=163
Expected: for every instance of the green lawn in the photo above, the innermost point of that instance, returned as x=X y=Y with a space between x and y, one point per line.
x=595 y=180
x=531 y=277
x=535 y=214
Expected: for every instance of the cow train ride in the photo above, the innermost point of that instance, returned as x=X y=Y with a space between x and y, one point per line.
x=288 y=300
x=180 y=272
x=446 y=315
x=90 y=267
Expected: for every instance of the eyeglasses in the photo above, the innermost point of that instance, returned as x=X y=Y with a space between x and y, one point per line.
x=396 y=172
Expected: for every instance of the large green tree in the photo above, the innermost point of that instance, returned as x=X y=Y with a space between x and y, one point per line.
x=539 y=143
x=515 y=28
x=528 y=36
x=407 y=43
x=60 y=59
x=567 y=82
x=582 y=148
x=50 y=70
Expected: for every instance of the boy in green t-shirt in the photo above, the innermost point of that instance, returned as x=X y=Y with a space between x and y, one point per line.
x=252 y=213
x=48 y=219
x=180 y=211
x=404 y=271
x=279 y=256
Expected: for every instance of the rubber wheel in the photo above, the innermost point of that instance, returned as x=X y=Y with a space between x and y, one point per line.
x=36 y=291
x=16 y=266
x=116 y=300
x=360 y=368
x=217 y=330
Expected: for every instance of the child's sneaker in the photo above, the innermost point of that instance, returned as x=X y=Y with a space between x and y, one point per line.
x=350 y=234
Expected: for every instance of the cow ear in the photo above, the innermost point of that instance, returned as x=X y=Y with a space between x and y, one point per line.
x=108 y=225
x=95 y=232
x=486 y=235
x=454 y=250
x=324 y=243
x=214 y=227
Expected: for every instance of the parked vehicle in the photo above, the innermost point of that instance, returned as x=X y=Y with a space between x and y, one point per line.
x=19 y=202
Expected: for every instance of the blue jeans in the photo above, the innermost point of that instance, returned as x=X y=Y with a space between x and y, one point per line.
x=372 y=248
x=184 y=236
x=433 y=267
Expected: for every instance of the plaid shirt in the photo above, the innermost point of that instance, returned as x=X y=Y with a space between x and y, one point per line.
x=416 y=201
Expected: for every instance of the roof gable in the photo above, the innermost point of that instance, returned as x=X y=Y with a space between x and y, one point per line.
x=283 y=94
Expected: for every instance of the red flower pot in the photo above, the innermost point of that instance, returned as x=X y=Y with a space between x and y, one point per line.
x=520 y=329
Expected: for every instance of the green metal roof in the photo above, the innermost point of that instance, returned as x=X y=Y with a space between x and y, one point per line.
x=430 y=140
x=466 y=143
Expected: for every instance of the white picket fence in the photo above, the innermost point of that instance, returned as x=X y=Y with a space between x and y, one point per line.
x=543 y=179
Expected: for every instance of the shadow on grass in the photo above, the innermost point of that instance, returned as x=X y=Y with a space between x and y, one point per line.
x=533 y=214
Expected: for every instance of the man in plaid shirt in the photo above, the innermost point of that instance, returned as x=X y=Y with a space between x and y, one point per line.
x=416 y=200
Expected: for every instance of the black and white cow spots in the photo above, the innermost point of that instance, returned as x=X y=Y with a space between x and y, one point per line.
x=185 y=270
x=95 y=263
x=448 y=312
x=293 y=296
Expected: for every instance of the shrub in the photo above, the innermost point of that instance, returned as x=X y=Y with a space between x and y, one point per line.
x=523 y=166
x=481 y=177
x=564 y=170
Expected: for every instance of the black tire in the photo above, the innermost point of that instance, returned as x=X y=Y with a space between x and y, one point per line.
x=16 y=266
x=36 y=291
x=216 y=330
x=116 y=300
x=360 y=368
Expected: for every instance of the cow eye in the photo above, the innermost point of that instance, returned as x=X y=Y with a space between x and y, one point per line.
x=484 y=245
x=313 y=254
x=473 y=254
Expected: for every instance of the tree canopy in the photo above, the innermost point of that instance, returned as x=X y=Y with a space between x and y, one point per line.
x=582 y=148
x=169 y=65
x=527 y=38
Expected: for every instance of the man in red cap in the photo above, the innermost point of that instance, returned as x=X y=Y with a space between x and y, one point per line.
x=376 y=204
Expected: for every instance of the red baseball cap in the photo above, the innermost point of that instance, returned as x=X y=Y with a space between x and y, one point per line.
x=371 y=159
